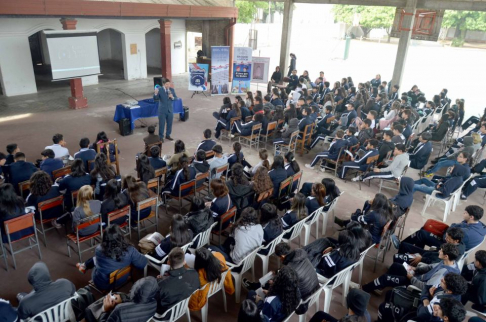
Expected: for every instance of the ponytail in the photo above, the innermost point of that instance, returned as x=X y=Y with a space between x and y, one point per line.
x=289 y=156
x=263 y=154
x=237 y=149
x=319 y=192
x=184 y=165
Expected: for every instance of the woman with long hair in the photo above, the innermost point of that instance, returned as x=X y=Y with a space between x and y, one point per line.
x=179 y=152
x=101 y=173
x=296 y=213
x=144 y=169
x=180 y=235
x=291 y=166
x=261 y=180
x=184 y=174
x=135 y=192
x=41 y=189
x=106 y=146
x=86 y=206
x=240 y=190
x=277 y=173
x=245 y=111
x=317 y=198
x=271 y=223
x=209 y=266
x=11 y=206
x=222 y=201
x=237 y=156
x=440 y=130
x=199 y=218
x=276 y=76
x=263 y=155
x=113 y=199
x=391 y=115
x=328 y=101
x=72 y=182
x=115 y=252
x=361 y=234
x=332 y=191
x=249 y=101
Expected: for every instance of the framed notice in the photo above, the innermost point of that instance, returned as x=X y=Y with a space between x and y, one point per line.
x=261 y=67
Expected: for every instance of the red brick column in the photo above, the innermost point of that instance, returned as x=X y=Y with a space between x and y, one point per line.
x=165 y=48
x=77 y=99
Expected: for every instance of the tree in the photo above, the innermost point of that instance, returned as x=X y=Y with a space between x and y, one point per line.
x=248 y=9
x=463 y=21
x=370 y=17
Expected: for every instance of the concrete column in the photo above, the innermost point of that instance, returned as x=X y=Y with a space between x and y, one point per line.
x=231 y=32
x=286 y=32
x=404 y=41
x=77 y=99
x=205 y=38
x=165 y=48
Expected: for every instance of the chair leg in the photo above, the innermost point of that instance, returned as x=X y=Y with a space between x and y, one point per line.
x=79 y=253
x=145 y=270
x=13 y=255
x=306 y=235
x=327 y=299
x=360 y=273
x=345 y=287
x=44 y=234
x=4 y=254
x=204 y=312
x=265 y=261
x=317 y=228
x=188 y=314
x=224 y=300
x=237 y=287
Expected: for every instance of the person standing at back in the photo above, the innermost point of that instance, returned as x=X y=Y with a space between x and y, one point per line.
x=166 y=95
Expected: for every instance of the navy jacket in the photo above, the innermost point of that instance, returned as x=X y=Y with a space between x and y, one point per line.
x=49 y=165
x=85 y=155
x=270 y=231
x=375 y=223
x=420 y=155
x=179 y=179
x=311 y=204
x=206 y=145
x=277 y=102
x=473 y=233
x=332 y=264
x=368 y=154
x=220 y=205
x=21 y=171
x=245 y=112
x=157 y=163
x=351 y=141
x=304 y=122
x=335 y=147
x=277 y=176
x=351 y=116
x=70 y=184
x=33 y=201
x=323 y=122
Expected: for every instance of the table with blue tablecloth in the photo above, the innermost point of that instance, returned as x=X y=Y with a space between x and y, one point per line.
x=148 y=108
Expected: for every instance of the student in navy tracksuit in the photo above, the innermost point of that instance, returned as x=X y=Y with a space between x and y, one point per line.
x=222 y=201
x=206 y=144
x=183 y=175
x=323 y=125
x=224 y=120
x=476 y=182
x=306 y=119
x=291 y=166
x=317 y=198
x=237 y=156
x=155 y=160
x=245 y=129
x=277 y=173
x=333 y=151
x=445 y=186
x=420 y=155
x=85 y=153
x=371 y=151
x=49 y=164
x=73 y=181
x=351 y=139
x=20 y=170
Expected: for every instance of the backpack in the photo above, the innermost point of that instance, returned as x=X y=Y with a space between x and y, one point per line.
x=403 y=303
x=79 y=305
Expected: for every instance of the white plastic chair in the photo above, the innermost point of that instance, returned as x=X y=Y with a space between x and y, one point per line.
x=296 y=230
x=247 y=264
x=309 y=221
x=176 y=312
x=271 y=250
x=203 y=237
x=157 y=264
x=360 y=262
x=457 y=194
x=214 y=287
x=448 y=202
x=460 y=262
x=326 y=214
x=313 y=299
x=60 y=312
x=330 y=284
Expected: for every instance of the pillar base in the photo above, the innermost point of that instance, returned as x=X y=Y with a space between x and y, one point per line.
x=77 y=103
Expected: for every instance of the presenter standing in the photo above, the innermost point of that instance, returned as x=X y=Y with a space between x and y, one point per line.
x=166 y=95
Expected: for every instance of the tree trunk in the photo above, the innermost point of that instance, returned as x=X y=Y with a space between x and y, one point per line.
x=460 y=23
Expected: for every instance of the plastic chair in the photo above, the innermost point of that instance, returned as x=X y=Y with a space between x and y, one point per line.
x=120 y=213
x=176 y=311
x=311 y=300
x=382 y=247
x=462 y=260
x=14 y=225
x=309 y=221
x=271 y=250
x=325 y=214
x=432 y=198
x=156 y=263
x=296 y=230
x=360 y=262
x=144 y=204
x=57 y=202
x=214 y=287
x=229 y=215
x=400 y=225
x=76 y=240
x=254 y=138
x=330 y=284
x=457 y=194
x=203 y=237
x=246 y=264
x=59 y=312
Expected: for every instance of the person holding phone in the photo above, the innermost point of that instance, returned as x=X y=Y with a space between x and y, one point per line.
x=165 y=95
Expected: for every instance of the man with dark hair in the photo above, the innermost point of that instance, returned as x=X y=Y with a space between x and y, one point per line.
x=306 y=119
x=85 y=153
x=20 y=170
x=176 y=284
x=151 y=138
x=450 y=310
x=394 y=170
x=258 y=108
x=165 y=96
x=420 y=154
x=350 y=137
x=333 y=151
x=267 y=103
x=310 y=101
x=323 y=90
x=293 y=81
x=155 y=160
x=12 y=148
x=49 y=164
x=394 y=93
x=421 y=276
x=59 y=146
x=475 y=273
x=324 y=123
x=398 y=137
x=366 y=132
x=358 y=162
x=386 y=146
x=206 y=144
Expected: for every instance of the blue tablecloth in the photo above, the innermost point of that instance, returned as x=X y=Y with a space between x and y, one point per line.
x=148 y=108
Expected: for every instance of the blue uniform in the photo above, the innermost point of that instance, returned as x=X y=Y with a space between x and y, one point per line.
x=85 y=155
x=277 y=176
x=332 y=153
x=359 y=164
x=166 y=114
x=49 y=165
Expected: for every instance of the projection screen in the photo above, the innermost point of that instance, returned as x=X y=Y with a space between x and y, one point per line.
x=73 y=53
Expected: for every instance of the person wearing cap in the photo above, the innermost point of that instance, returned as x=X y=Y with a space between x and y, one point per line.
x=356 y=301
x=218 y=160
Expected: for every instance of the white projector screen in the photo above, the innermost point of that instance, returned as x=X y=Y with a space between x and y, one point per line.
x=72 y=53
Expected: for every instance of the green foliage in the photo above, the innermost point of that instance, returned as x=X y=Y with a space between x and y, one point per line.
x=248 y=9
x=370 y=17
x=465 y=20
x=457 y=42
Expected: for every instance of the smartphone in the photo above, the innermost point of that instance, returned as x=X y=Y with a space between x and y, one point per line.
x=112 y=296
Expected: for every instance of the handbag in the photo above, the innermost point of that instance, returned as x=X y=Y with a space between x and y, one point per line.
x=435 y=227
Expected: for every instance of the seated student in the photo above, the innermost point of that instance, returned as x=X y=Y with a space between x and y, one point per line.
x=325 y=122
x=49 y=164
x=113 y=199
x=333 y=151
x=8 y=312
x=114 y=253
x=85 y=153
x=209 y=266
x=332 y=191
x=306 y=119
x=420 y=154
x=475 y=182
x=394 y=170
x=200 y=217
x=237 y=156
x=224 y=120
x=398 y=137
x=440 y=130
x=270 y=221
x=386 y=146
x=350 y=137
x=12 y=149
x=267 y=104
x=45 y=294
x=450 y=310
x=86 y=207
x=59 y=146
x=357 y=303
x=245 y=112
x=316 y=199
x=11 y=206
x=20 y=170
x=365 y=132
x=263 y=155
x=414 y=255
x=73 y=182
x=106 y=146
x=246 y=236
x=200 y=163
x=291 y=166
x=445 y=186
x=297 y=212
x=240 y=189
x=139 y=304
x=217 y=161
x=145 y=170
x=135 y=192
x=390 y=115
x=421 y=276
x=277 y=173
x=261 y=181
x=180 y=235
x=206 y=144
x=360 y=162
x=245 y=129
x=41 y=189
x=176 y=284
x=222 y=201
x=461 y=158
x=404 y=199
x=179 y=152
x=151 y=138
x=376 y=214
x=286 y=132
x=185 y=174
x=338 y=257
x=101 y=173
x=155 y=160
x=475 y=274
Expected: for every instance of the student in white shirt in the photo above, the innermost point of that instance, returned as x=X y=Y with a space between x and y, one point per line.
x=59 y=146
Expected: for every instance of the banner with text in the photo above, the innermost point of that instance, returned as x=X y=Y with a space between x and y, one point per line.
x=260 y=67
x=241 y=70
x=219 y=70
x=198 y=77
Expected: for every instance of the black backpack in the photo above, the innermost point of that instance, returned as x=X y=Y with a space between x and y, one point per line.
x=404 y=303
x=79 y=305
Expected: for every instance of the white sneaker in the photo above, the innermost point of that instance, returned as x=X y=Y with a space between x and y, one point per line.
x=322 y=169
x=308 y=166
x=232 y=136
x=356 y=179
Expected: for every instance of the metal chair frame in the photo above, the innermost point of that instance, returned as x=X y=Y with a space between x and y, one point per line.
x=254 y=138
x=46 y=205
x=83 y=223
x=149 y=202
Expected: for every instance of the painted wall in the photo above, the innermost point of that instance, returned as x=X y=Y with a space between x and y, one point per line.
x=178 y=55
x=152 y=40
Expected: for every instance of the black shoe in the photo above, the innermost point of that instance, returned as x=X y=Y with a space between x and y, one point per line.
x=169 y=138
x=250 y=285
x=339 y=222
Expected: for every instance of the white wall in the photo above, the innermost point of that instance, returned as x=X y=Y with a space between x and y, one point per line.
x=152 y=40
x=178 y=55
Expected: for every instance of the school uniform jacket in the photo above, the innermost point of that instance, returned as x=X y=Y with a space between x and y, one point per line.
x=332 y=264
x=311 y=204
x=304 y=122
x=335 y=147
x=179 y=179
x=206 y=145
x=85 y=155
x=277 y=176
x=420 y=155
x=368 y=154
